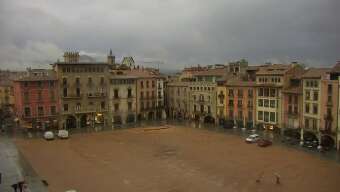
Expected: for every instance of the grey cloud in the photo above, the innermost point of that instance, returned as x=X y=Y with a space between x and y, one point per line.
x=181 y=33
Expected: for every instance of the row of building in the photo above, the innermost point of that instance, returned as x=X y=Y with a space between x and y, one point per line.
x=76 y=94
x=287 y=98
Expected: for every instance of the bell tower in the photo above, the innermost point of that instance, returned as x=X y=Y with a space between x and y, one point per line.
x=111 y=58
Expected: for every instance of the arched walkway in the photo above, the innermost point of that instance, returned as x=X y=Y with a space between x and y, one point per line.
x=150 y=115
x=117 y=120
x=71 y=122
x=83 y=121
x=130 y=118
x=209 y=119
x=327 y=142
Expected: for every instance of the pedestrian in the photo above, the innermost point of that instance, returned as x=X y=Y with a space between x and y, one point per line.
x=15 y=187
x=277 y=178
x=258 y=180
x=21 y=186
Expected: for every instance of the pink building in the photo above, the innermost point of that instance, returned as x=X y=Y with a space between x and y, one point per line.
x=36 y=99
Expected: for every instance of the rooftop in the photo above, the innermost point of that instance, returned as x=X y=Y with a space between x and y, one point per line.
x=316 y=73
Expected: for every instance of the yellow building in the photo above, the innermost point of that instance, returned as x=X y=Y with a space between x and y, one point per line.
x=270 y=80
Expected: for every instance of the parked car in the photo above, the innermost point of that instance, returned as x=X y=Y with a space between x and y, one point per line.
x=264 y=143
x=48 y=135
x=311 y=144
x=252 y=138
x=63 y=134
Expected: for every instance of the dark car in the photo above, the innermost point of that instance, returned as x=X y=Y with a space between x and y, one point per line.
x=264 y=143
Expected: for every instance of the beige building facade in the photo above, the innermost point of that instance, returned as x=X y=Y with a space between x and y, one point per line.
x=83 y=92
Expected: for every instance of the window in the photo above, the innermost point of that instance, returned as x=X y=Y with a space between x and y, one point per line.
x=290 y=109
x=147 y=84
x=202 y=108
x=142 y=105
x=231 y=103
x=290 y=99
x=315 y=109
x=307 y=108
x=116 y=107
x=102 y=105
x=26 y=97
x=209 y=109
x=25 y=84
x=65 y=107
x=53 y=110
x=64 y=82
x=295 y=99
x=260 y=102
x=65 y=92
x=27 y=112
x=89 y=81
x=129 y=92
x=142 y=84
x=266 y=92
x=260 y=115
x=78 y=81
x=239 y=103
x=39 y=95
x=240 y=93
x=51 y=83
x=147 y=94
x=102 y=80
x=78 y=106
x=314 y=124
x=329 y=89
x=195 y=108
x=266 y=103
x=40 y=111
x=250 y=93
x=307 y=96
x=250 y=115
x=40 y=84
x=78 y=92
x=153 y=84
x=52 y=96
x=231 y=93
x=261 y=92
x=115 y=94
x=141 y=95
x=272 y=116
x=315 y=96
x=129 y=106
x=266 y=116
x=272 y=103
x=307 y=123
x=272 y=92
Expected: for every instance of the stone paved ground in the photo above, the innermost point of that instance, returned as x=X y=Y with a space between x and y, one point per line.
x=174 y=159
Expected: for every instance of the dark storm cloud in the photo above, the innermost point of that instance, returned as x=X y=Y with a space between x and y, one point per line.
x=179 y=32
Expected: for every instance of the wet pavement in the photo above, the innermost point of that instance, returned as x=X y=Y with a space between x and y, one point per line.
x=14 y=168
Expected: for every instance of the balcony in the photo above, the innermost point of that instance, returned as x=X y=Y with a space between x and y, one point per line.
x=73 y=96
x=96 y=95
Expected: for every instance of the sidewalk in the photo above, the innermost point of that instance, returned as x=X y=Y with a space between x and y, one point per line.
x=14 y=169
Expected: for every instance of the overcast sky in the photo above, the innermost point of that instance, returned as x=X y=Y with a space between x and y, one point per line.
x=178 y=32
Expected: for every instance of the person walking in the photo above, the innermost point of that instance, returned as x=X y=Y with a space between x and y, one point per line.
x=15 y=187
x=277 y=176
